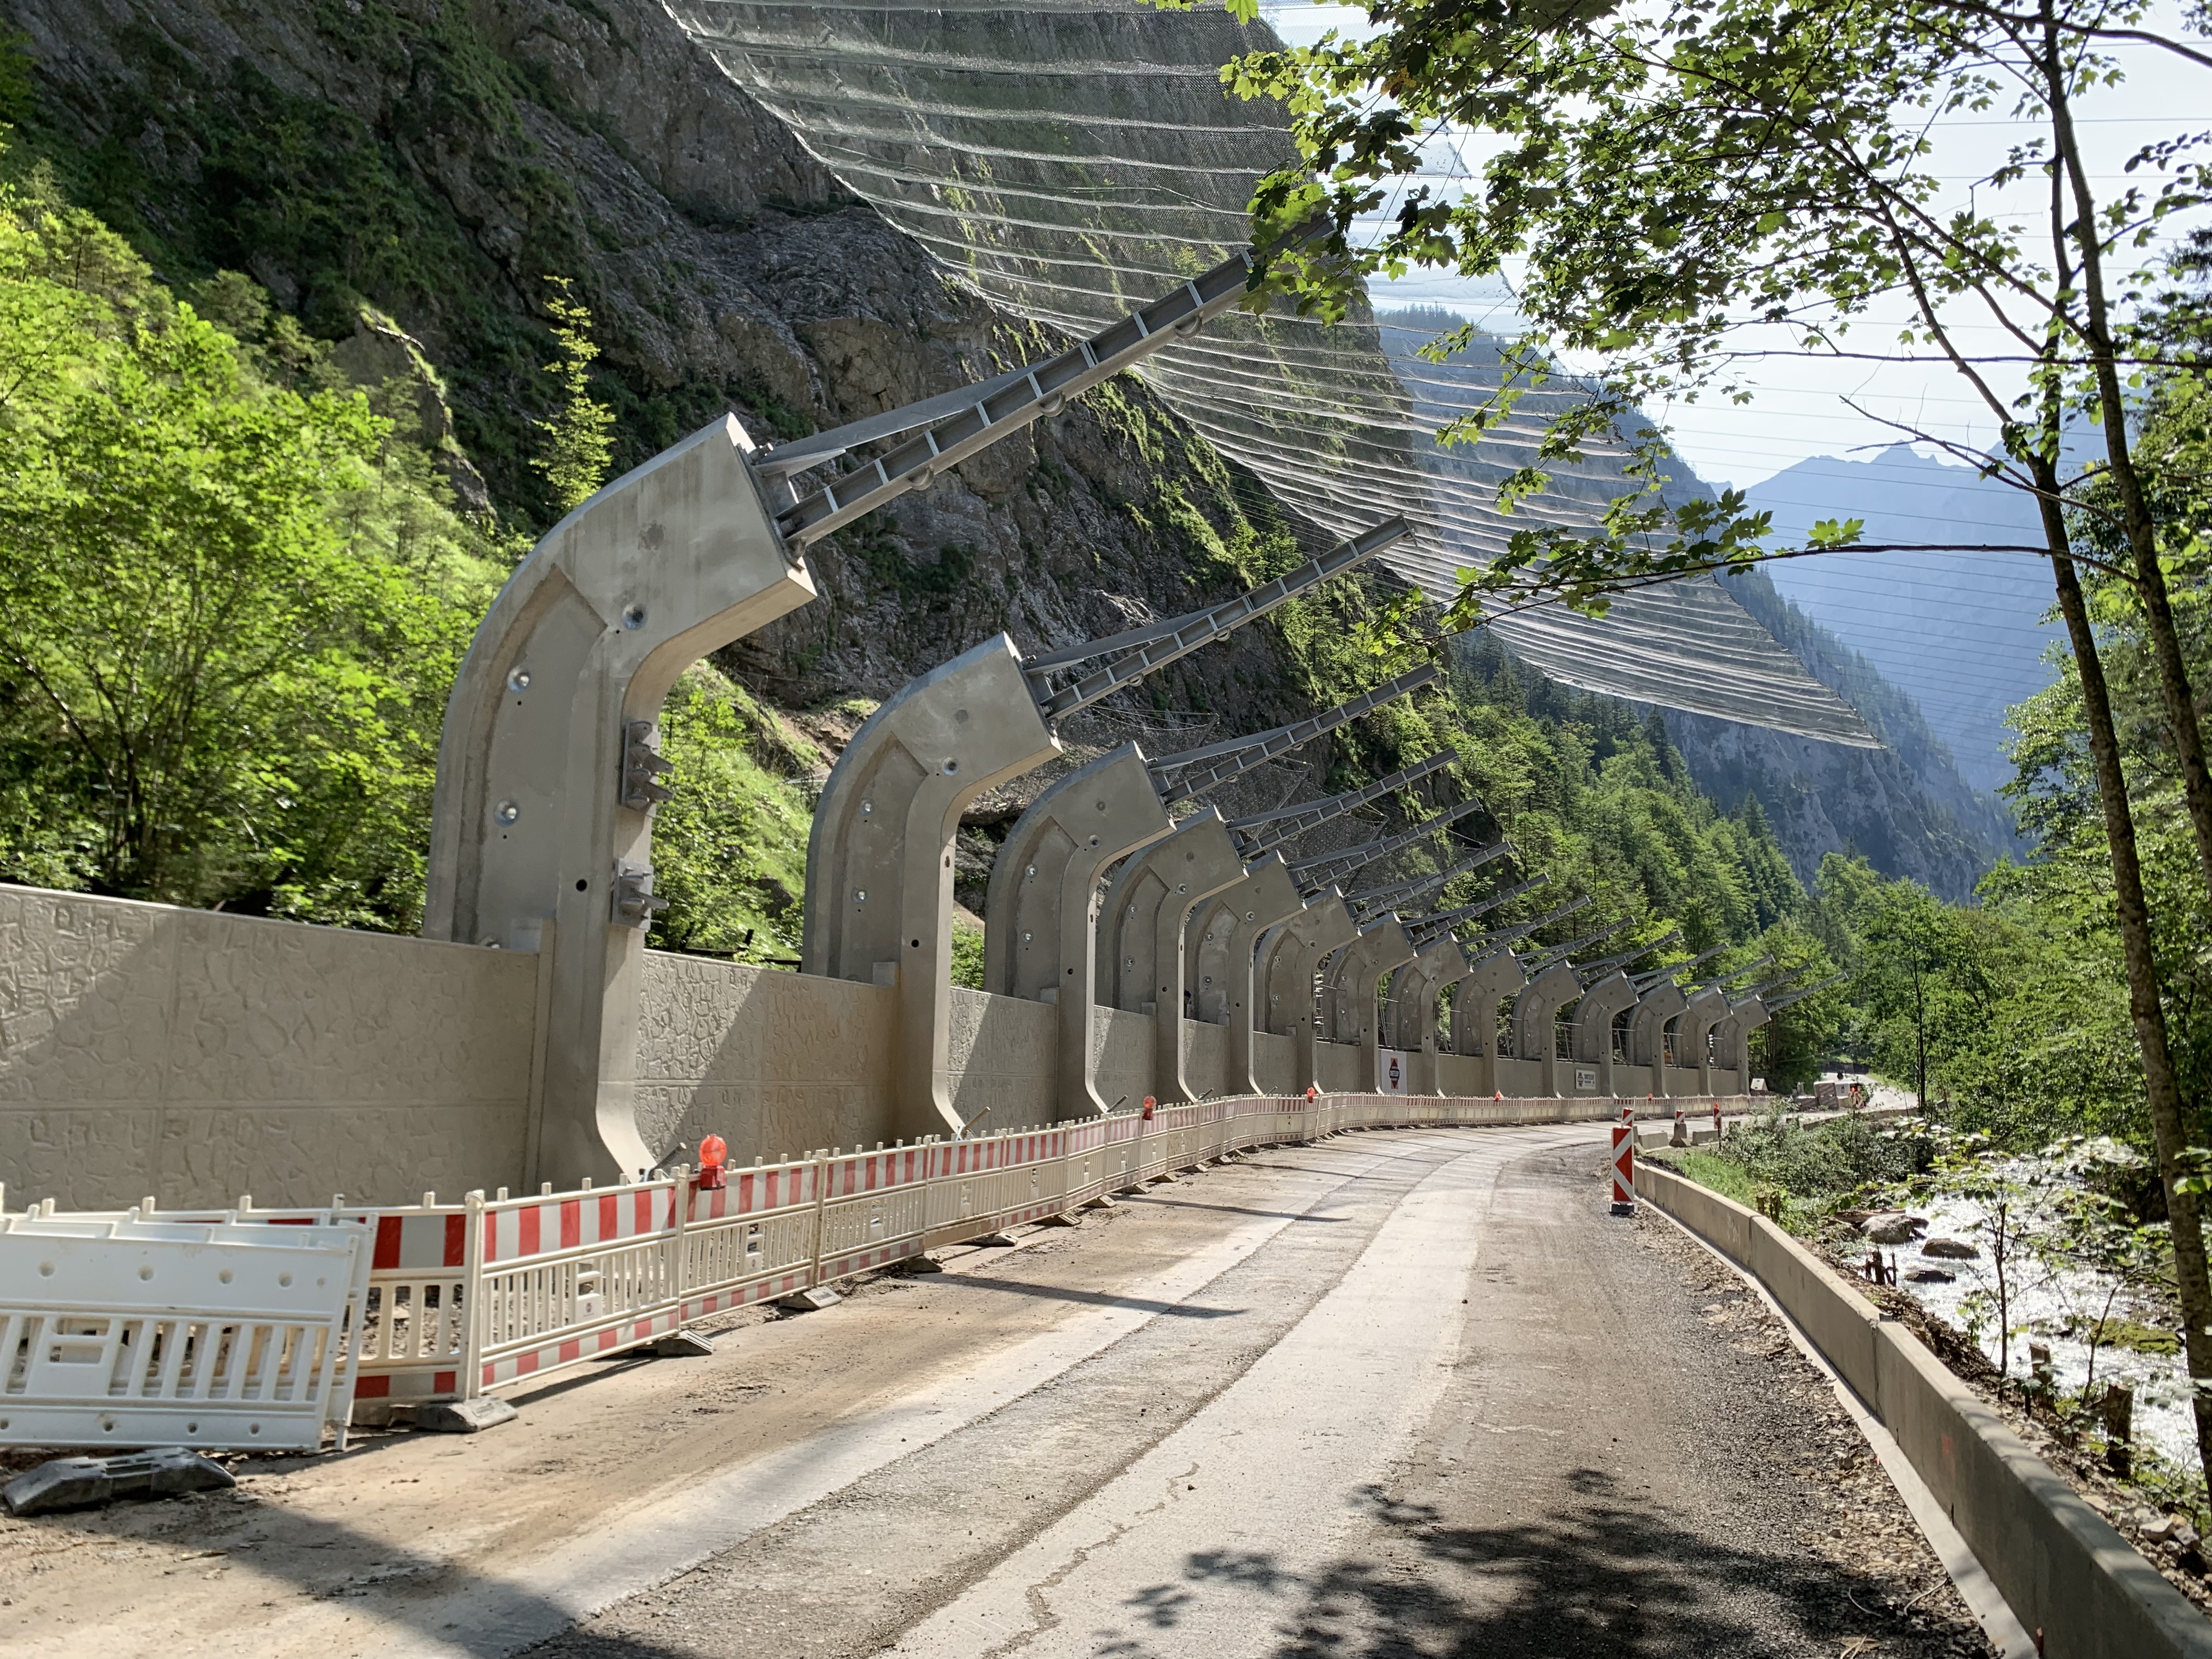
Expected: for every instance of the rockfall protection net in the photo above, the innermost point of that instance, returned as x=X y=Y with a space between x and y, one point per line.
x=1071 y=159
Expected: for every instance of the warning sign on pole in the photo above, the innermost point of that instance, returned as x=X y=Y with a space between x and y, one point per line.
x=1624 y=1168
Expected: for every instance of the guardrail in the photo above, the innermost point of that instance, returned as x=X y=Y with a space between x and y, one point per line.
x=492 y=1294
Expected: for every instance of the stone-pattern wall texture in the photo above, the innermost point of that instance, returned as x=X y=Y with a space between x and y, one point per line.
x=195 y=1056
x=1274 y=1064
x=777 y=1064
x=1206 y=1059
x=1343 y=1067
x=1005 y=1060
x=1122 y=1042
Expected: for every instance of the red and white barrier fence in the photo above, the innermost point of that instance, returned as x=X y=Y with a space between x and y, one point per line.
x=490 y=1294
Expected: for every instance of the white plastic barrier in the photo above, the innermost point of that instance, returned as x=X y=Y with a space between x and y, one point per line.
x=119 y=1331
x=489 y=1295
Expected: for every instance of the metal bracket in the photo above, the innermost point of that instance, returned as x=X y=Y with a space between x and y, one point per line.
x=636 y=902
x=641 y=764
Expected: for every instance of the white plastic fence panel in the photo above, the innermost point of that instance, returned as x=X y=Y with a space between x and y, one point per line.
x=119 y=1333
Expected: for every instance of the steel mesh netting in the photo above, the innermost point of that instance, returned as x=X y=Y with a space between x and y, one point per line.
x=1071 y=160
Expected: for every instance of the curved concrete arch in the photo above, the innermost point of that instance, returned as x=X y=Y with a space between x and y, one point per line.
x=1732 y=1039
x=541 y=826
x=1288 y=955
x=1535 y=1012
x=1238 y=919
x=1474 y=1011
x=1351 y=981
x=1416 y=991
x=1040 y=916
x=1647 y=1031
x=879 y=857
x=1140 y=932
x=1594 y=1021
x=1692 y=1026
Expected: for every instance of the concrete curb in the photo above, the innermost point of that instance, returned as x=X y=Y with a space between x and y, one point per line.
x=2059 y=1564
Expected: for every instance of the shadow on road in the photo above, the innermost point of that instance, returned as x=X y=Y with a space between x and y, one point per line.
x=1102 y=1298
x=1605 y=1577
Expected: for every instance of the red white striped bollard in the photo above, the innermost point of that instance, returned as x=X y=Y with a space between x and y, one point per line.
x=1716 y=1120
x=1624 y=1163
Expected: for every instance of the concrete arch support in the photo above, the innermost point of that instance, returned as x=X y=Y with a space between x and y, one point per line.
x=1593 y=1017
x=1647 y=1031
x=1140 y=932
x=1475 y=1012
x=1534 y=1012
x=541 y=831
x=1041 y=918
x=880 y=858
x=1288 y=955
x=1352 y=982
x=1692 y=1026
x=1238 y=920
x=1416 y=991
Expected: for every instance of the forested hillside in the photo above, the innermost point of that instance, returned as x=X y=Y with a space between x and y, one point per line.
x=320 y=323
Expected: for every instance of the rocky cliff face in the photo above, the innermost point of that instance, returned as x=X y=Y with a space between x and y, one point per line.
x=436 y=160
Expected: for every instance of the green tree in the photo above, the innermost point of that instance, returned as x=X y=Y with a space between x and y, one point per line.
x=577 y=442
x=223 y=668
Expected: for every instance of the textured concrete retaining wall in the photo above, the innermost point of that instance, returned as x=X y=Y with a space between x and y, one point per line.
x=1206 y=1058
x=2057 y=1561
x=195 y=1056
x=1123 y=1043
x=777 y=1064
x=1343 y=1068
x=1274 y=1063
x=145 y=1048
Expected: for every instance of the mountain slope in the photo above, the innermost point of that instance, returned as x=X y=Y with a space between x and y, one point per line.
x=1904 y=805
x=1961 y=633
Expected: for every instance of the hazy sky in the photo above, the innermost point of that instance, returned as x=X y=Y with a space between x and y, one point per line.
x=1800 y=409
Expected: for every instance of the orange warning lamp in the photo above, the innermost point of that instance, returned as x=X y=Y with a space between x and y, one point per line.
x=713 y=1152
x=1149 y=1103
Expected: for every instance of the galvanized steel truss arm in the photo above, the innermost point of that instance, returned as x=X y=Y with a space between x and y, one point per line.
x=1265 y=831
x=1201 y=769
x=1422 y=886
x=1776 y=1005
x=1315 y=873
x=1658 y=976
x=1545 y=958
x=1490 y=944
x=1594 y=971
x=1428 y=927
x=1041 y=389
x=1140 y=650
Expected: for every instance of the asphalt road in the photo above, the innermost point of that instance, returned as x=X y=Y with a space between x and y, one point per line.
x=1401 y=1393
x=1454 y=1408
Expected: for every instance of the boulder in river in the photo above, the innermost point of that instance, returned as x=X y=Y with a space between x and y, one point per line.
x=1951 y=1249
x=1892 y=1227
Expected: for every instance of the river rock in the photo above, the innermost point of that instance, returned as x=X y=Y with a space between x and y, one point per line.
x=1891 y=1227
x=1928 y=1276
x=1951 y=1249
